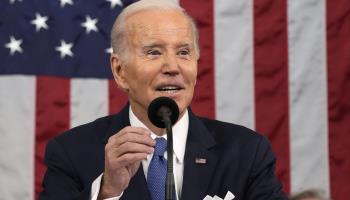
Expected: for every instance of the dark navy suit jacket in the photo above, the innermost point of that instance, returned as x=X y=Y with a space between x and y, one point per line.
x=237 y=160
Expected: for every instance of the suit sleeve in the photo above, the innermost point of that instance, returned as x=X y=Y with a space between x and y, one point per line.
x=263 y=183
x=61 y=181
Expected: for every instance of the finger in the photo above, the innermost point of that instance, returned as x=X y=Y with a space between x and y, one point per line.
x=135 y=138
x=131 y=137
x=133 y=168
x=128 y=130
x=130 y=147
x=138 y=130
x=133 y=129
x=131 y=158
x=126 y=160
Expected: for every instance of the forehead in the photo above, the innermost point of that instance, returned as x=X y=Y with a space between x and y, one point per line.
x=159 y=24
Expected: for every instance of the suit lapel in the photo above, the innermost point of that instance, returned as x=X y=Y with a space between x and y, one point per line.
x=118 y=122
x=137 y=188
x=199 y=160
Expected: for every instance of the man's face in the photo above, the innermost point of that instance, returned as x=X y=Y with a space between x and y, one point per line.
x=161 y=60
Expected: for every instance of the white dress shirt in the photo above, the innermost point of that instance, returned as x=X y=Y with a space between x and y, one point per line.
x=180 y=130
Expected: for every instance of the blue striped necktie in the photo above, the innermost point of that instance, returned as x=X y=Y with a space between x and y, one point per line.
x=157 y=169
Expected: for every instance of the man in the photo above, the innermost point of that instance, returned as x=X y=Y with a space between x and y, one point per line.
x=156 y=51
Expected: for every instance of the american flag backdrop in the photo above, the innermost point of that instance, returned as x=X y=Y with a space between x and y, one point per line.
x=281 y=67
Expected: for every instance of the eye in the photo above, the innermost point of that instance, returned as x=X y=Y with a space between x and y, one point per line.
x=153 y=52
x=184 y=52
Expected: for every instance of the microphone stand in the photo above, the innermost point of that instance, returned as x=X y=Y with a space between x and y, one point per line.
x=170 y=183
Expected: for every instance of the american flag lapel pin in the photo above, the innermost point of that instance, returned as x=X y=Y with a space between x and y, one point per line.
x=200 y=161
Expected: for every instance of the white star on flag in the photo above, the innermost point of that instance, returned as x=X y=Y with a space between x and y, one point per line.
x=13 y=1
x=14 y=45
x=115 y=2
x=40 y=22
x=90 y=24
x=109 y=50
x=65 y=49
x=64 y=2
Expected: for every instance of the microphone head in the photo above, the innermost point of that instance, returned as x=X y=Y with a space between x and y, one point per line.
x=161 y=106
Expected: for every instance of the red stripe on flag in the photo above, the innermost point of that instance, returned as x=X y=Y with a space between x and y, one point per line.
x=117 y=98
x=338 y=50
x=204 y=98
x=52 y=118
x=271 y=80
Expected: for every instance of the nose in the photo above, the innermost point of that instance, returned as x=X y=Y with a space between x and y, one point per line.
x=170 y=65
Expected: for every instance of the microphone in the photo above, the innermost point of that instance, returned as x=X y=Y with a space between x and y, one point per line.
x=163 y=112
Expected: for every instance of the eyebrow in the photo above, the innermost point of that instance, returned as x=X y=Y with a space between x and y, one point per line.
x=153 y=45
x=184 y=45
x=156 y=45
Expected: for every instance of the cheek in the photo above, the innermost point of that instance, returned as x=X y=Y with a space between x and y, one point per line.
x=140 y=78
x=138 y=83
x=195 y=76
x=191 y=75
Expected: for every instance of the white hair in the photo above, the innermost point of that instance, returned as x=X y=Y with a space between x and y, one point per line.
x=118 y=32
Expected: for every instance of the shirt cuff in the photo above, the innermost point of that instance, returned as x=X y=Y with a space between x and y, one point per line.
x=95 y=189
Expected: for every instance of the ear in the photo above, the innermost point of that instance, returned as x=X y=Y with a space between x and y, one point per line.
x=118 y=71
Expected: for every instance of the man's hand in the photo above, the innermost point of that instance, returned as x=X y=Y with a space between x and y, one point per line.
x=123 y=155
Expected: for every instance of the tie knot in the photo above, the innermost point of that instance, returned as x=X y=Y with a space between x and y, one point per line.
x=160 y=147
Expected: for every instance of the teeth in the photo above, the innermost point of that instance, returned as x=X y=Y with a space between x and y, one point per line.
x=169 y=91
x=168 y=88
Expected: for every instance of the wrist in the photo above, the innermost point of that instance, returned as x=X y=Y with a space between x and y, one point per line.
x=107 y=190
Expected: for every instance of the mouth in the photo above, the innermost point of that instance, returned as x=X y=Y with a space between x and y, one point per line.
x=169 y=89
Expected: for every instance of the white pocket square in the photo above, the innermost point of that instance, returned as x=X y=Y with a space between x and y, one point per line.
x=228 y=196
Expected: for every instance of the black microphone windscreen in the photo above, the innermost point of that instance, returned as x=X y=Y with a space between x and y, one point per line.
x=155 y=107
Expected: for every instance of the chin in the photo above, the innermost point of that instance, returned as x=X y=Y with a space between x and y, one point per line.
x=182 y=107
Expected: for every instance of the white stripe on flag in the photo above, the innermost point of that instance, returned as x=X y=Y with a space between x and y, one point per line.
x=308 y=94
x=17 y=120
x=89 y=100
x=234 y=77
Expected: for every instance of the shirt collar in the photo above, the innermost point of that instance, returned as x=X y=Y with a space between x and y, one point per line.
x=180 y=130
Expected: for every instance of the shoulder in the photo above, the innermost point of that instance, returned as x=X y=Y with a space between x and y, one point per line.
x=233 y=136
x=97 y=130
x=225 y=130
x=83 y=139
x=94 y=130
x=79 y=144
